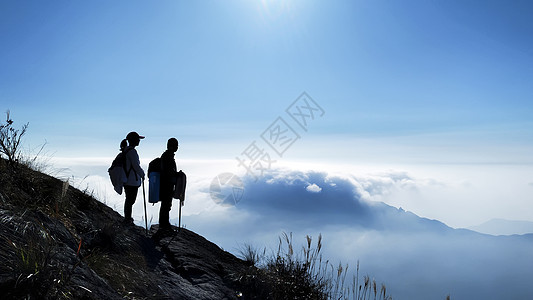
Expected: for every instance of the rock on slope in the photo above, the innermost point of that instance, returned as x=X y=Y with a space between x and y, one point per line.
x=59 y=242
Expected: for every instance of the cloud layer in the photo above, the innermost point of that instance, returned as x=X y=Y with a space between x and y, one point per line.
x=416 y=257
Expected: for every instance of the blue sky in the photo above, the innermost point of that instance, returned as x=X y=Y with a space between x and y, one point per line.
x=377 y=68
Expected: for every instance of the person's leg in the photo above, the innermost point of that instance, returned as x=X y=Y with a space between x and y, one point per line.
x=131 y=196
x=164 y=218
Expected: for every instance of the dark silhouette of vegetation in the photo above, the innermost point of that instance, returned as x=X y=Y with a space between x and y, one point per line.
x=288 y=274
x=10 y=139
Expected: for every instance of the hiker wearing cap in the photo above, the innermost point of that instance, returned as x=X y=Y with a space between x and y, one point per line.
x=168 y=180
x=134 y=174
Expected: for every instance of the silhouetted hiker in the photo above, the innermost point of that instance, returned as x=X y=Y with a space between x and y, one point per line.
x=134 y=173
x=168 y=180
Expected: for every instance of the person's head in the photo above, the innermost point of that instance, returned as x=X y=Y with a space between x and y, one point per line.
x=172 y=144
x=134 y=138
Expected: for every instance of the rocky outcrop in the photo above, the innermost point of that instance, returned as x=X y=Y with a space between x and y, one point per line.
x=197 y=266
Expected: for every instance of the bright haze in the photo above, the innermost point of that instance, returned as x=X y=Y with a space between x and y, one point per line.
x=384 y=126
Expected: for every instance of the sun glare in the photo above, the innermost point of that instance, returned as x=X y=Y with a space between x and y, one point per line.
x=274 y=10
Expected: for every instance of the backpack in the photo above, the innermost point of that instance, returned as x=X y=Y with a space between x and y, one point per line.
x=154 y=165
x=179 y=190
x=154 y=178
x=117 y=172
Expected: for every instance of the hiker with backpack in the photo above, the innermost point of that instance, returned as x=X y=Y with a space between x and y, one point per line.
x=168 y=180
x=134 y=174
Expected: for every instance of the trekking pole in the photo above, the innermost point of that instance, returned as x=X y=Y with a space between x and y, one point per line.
x=179 y=220
x=145 y=215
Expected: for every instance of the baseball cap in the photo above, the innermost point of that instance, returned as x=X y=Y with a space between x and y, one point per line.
x=134 y=136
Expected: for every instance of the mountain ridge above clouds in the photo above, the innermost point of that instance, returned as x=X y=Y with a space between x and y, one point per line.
x=499 y=226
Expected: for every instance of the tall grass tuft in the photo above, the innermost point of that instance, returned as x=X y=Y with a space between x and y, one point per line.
x=304 y=274
x=27 y=249
x=251 y=255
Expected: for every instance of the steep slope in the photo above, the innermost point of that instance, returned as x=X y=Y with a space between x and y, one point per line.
x=59 y=242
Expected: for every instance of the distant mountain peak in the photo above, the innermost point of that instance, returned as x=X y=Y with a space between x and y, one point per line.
x=500 y=226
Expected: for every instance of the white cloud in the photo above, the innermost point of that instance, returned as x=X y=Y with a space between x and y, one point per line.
x=313 y=188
